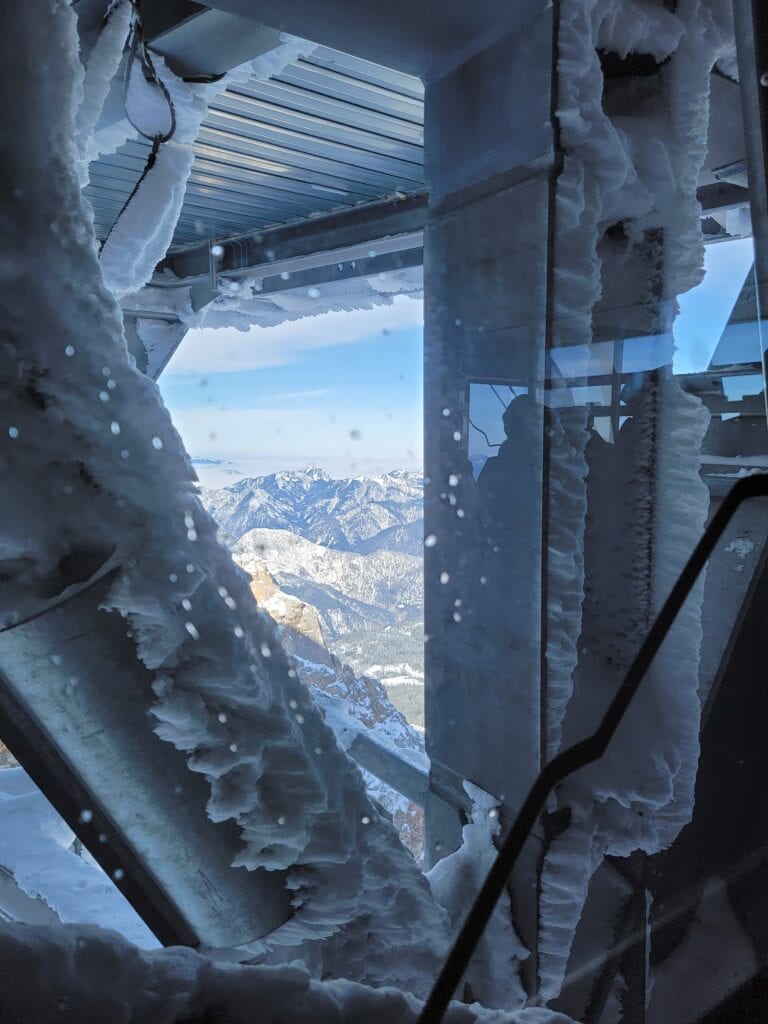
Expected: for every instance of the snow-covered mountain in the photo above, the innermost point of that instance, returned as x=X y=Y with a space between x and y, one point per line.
x=349 y=590
x=352 y=551
x=335 y=513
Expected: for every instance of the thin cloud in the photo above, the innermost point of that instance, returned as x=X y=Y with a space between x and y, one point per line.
x=212 y=350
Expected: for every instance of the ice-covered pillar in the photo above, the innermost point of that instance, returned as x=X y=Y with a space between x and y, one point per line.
x=489 y=161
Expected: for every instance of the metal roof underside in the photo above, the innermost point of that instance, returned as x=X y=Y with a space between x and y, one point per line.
x=329 y=132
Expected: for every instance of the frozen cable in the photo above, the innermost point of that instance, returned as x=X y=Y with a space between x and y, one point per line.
x=138 y=50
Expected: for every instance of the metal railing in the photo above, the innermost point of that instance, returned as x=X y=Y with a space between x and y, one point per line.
x=579 y=755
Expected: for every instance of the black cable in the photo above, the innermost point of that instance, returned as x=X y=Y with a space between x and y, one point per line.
x=503 y=403
x=481 y=431
x=147 y=168
x=138 y=50
x=580 y=755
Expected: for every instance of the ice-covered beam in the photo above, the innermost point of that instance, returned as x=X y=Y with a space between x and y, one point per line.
x=94 y=465
x=128 y=796
x=385 y=227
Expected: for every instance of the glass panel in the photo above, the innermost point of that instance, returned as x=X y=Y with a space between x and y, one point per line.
x=649 y=423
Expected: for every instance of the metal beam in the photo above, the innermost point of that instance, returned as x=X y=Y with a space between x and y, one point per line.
x=212 y=42
x=73 y=710
x=388 y=225
x=722 y=196
x=415 y=781
x=418 y=38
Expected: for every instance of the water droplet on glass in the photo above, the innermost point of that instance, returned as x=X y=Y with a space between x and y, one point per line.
x=764 y=79
x=114 y=427
x=233 y=747
x=111 y=384
x=231 y=603
x=313 y=293
x=189 y=522
x=217 y=250
x=453 y=480
x=458 y=321
x=238 y=631
x=69 y=350
x=190 y=568
x=222 y=717
x=457 y=603
x=460 y=513
x=446 y=412
x=483 y=579
x=172 y=576
x=186 y=604
x=13 y=432
x=102 y=837
x=285 y=275
x=444 y=577
x=124 y=453
x=318 y=750
x=493 y=813
x=86 y=816
x=222 y=591
x=291 y=673
x=300 y=719
x=56 y=659
x=192 y=630
x=281 y=819
x=104 y=396
x=355 y=434
x=157 y=443
x=430 y=540
x=293 y=703
x=191 y=534
x=457 y=616
x=457 y=435
x=106 y=372
x=118 y=874
x=365 y=819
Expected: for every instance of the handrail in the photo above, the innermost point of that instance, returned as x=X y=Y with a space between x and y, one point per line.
x=579 y=755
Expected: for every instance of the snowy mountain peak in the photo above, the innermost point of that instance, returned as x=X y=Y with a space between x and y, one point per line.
x=339 y=513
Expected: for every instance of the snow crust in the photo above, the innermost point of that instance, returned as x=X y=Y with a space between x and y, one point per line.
x=455 y=880
x=91 y=976
x=640 y=794
x=36 y=848
x=631 y=158
x=116 y=475
x=246 y=307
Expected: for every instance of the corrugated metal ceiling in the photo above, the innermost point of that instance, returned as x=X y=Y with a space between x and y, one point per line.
x=329 y=132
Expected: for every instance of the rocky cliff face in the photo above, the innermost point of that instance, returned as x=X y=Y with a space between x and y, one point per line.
x=365 y=698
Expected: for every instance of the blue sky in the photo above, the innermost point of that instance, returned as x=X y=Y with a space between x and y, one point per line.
x=344 y=390
x=704 y=310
